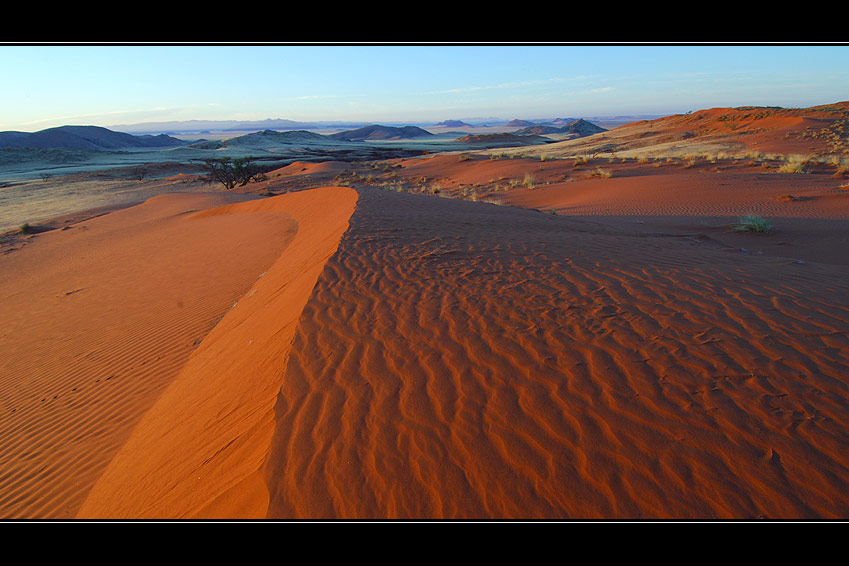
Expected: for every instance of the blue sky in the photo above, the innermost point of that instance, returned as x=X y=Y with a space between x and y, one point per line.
x=106 y=85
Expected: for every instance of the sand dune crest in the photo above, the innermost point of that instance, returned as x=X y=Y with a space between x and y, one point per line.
x=196 y=452
x=95 y=321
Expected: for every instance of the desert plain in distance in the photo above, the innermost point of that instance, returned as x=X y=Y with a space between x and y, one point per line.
x=647 y=323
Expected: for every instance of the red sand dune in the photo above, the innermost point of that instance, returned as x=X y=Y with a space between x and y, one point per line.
x=785 y=131
x=367 y=354
x=465 y=360
x=676 y=191
x=421 y=357
x=98 y=319
x=820 y=130
x=198 y=451
x=323 y=168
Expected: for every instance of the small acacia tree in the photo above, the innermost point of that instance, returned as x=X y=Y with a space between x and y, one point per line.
x=232 y=172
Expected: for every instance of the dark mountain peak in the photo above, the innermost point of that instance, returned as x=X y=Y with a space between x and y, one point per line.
x=453 y=124
x=376 y=132
x=582 y=127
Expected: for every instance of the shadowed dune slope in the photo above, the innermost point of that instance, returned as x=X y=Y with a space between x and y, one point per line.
x=97 y=319
x=197 y=452
x=465 y=360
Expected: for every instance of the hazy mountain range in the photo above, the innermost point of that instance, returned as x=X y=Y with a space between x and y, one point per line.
x=85 y=137
x=196 y=127
x=99 y=138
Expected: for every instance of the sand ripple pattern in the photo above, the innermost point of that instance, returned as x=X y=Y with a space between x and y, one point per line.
x=465 y=360
x=96 y=321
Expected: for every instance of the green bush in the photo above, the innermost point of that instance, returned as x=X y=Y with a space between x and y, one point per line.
x=754 y=223
x=233 y=171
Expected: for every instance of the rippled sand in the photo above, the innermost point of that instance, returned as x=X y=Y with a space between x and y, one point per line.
x=365 y=354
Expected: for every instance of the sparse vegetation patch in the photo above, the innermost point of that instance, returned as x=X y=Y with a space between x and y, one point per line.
x=754 y=223
x=232 y=172
x=794 y=164
x=599 y=172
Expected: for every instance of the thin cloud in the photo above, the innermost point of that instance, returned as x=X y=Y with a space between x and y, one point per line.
x=523 y=84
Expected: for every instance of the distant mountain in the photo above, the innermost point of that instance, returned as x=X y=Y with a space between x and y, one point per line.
x=453 y=124
x=200 y=126
x=270 y=137
x=380 y=133
x=582 y=127
x=519 y=124
x=563 y=121
x=85 y=137
x=579 y=127
x=538 y=130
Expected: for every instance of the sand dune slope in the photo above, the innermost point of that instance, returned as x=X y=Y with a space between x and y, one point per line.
x=371 y=354
x=465 y=360
x=197 y=452
x=97 y=319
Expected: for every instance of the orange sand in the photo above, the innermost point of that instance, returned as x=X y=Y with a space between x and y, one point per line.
x=342 y=353
x=96 y=320
x=466 y=360
x=99 y=319
x=198 y=451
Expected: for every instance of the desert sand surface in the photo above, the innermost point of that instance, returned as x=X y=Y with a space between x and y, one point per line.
x=99 y=318
x=198 y=452
x=466 y=360
x=462 y=336
x=36 y=201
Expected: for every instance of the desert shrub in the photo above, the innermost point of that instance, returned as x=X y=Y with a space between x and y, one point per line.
x=24 y=229
x=794 y=164
x=232 y=172
x=754 y=223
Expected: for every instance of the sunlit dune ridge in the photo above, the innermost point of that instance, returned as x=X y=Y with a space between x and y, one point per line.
x=198 y=451
x=97 y=319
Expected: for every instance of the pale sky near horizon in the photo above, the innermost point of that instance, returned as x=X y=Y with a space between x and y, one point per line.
x=107 y=85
